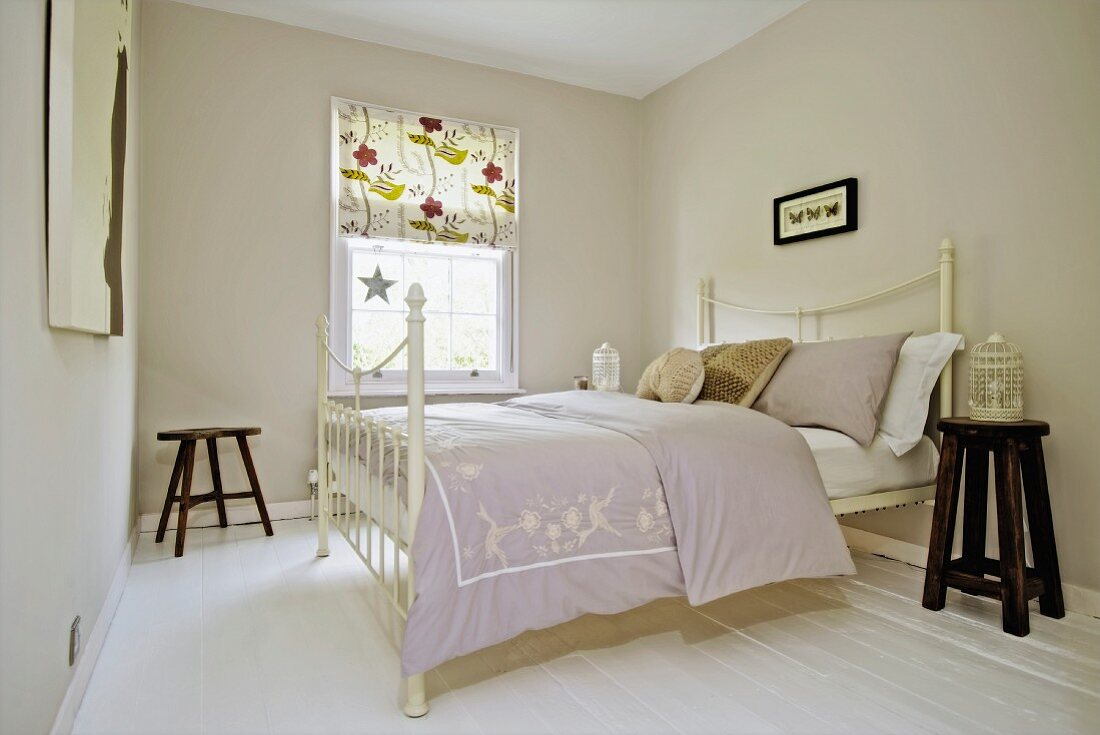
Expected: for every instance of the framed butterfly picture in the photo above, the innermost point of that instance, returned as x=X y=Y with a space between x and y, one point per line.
x=823 y=210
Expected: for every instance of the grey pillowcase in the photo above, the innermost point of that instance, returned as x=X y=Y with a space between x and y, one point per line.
x=838 y=385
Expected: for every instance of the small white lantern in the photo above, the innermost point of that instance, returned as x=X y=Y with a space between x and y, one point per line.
x=996 y=380
x=605 y=368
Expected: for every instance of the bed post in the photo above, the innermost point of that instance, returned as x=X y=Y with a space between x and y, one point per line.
x=701 y=314
x=416 y=704
x=322 y=436
x=947 y=321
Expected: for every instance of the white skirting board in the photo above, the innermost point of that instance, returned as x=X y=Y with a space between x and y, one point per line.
x=1078 y=599
x=85 y=663
x=237 y=513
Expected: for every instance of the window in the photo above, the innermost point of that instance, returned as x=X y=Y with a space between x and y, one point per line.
x=427 y=199
x=469 y=330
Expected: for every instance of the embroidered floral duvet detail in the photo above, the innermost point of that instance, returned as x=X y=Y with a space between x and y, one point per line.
x=548 y=525
x=512 y=508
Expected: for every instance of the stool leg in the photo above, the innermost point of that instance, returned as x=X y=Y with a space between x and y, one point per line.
x=254 y=482
x=975 y=508
x=943 y=523
x=216 y=476
x=1037 y=500
x=177 y=469
x=1010 y=526
x=185 y=495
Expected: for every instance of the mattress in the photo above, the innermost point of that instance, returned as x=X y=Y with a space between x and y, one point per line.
x=848 y=469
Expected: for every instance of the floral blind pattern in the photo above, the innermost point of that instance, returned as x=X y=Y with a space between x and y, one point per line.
x=421 y=178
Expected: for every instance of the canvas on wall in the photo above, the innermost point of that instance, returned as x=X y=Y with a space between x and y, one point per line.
x=86 y=161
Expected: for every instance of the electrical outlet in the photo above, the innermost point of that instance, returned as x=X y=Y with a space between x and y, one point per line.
x=74 y=640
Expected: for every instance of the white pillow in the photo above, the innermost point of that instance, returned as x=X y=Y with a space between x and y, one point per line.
x=906 y=408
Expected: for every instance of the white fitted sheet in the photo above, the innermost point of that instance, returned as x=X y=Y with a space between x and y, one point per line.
x=848 y=469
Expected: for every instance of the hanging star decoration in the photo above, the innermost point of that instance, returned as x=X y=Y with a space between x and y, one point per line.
x=377 y=285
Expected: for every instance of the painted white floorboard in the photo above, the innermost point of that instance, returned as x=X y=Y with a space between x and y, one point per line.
x=1055 y=663
x=250 y=634
x=1074 y=633
x=698 y=693
x=787 y=635
x=826 y=697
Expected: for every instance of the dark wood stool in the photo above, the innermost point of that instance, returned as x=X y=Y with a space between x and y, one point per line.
x=185 y=465
x=1017 y=449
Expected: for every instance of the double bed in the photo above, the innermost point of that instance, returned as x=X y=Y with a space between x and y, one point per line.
x=481 y=521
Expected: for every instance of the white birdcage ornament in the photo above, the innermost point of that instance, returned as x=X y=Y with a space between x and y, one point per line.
x=605 y=368
x=996 y=380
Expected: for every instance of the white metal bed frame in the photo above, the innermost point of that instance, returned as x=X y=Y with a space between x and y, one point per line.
x=346 y=488
x=945 y=272
x=345 y=436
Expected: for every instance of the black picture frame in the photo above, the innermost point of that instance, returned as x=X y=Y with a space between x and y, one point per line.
x=849 y=201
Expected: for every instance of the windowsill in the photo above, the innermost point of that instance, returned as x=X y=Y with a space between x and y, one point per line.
x=399 y=391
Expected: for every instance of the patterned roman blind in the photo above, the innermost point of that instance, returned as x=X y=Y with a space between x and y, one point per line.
x=407 y=176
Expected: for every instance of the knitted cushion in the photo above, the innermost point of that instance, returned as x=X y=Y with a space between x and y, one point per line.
x=674 y=377
x=736 y=373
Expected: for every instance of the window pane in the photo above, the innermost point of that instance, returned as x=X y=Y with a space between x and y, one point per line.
x=475 y=342
x=374 y=335
x=363 y=264
x=434 y=274
x=475 y=285
x=462 y=329
x=437 y=341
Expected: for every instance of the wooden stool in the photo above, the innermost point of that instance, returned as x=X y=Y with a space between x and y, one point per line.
x=1017 y=448
x=185 y=465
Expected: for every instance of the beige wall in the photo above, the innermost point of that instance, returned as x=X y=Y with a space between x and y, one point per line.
x=974 y=120
x=236 y=222
x=67 y=408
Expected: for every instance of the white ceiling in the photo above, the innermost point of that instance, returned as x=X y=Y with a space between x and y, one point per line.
x=628 y=47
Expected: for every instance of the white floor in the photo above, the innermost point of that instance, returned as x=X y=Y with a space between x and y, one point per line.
x=248 y=634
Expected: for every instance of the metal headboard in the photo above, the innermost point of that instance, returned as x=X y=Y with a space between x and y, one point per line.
x=945 y=270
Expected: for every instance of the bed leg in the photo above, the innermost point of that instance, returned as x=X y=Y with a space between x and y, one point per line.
x=416 y=705
x=323 y=498
x=322 y=436
x=322 y=532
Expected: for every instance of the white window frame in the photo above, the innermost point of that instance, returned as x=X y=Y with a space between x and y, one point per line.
x=437 y=382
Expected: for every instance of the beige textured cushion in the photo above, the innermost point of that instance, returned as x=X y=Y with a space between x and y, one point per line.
x=737 y=372
x=837 y=385
x=674 y=377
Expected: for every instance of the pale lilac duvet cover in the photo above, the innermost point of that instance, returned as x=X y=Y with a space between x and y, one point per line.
x=544 y=508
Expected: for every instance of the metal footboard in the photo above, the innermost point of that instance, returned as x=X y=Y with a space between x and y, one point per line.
x=371 y=474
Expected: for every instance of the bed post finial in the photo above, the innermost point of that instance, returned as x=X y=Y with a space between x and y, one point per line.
x=322 y=444
x=415 y=298
x=947 y=322
x=701 y=315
